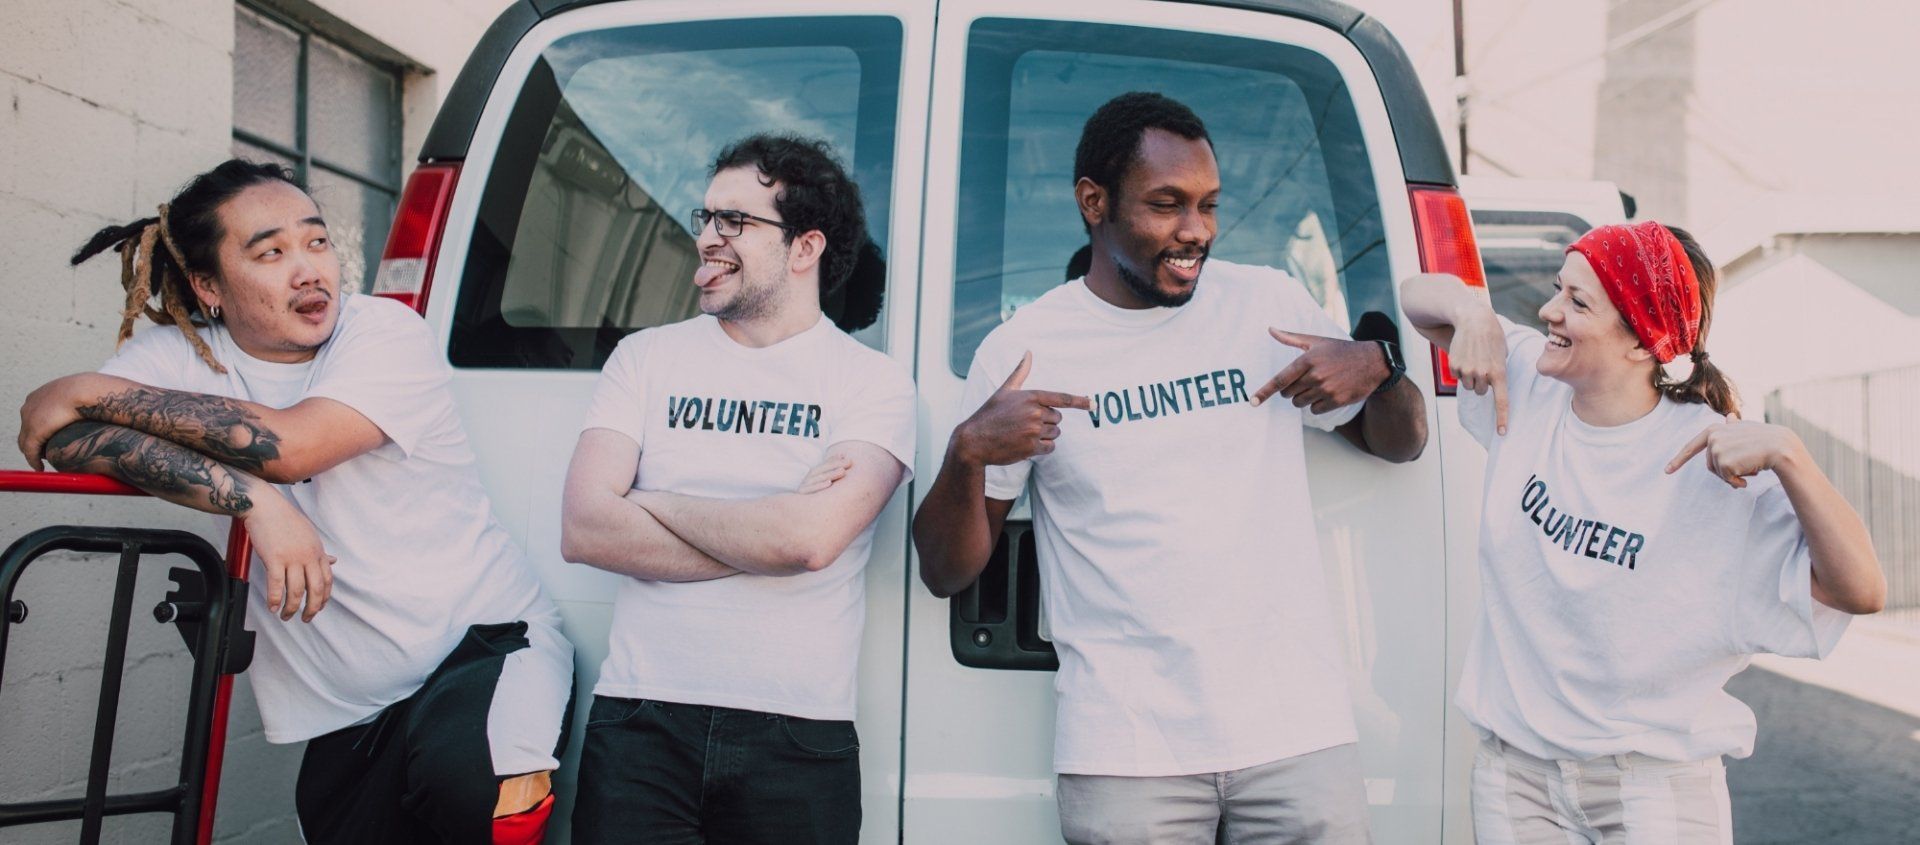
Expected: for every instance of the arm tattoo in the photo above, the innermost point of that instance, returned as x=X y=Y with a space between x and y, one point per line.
x=223 y=429
x=163 y=468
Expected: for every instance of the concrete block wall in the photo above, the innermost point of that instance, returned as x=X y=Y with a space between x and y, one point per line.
x=106 y=108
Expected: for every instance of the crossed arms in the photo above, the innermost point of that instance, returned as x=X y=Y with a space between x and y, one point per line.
x=661 y=536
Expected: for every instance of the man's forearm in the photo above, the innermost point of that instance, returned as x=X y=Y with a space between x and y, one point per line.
x=764 y=536
x=952 y=531
x=229 y=431
x=1395 y=423
x=160 y=467
x=619 y=536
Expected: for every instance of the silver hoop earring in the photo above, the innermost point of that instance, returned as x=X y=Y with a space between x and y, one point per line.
x=214 y=312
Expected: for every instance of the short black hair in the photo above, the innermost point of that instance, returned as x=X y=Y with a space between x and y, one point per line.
x=1110 y=142
x=815 y=193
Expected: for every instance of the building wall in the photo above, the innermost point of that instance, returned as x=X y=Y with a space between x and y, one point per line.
x=106 y=108
x=1735 y=118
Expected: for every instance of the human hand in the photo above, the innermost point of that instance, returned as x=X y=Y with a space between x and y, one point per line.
x=1738 y=449
x=832 y=468
x=54 y=406
x=1477 y=357
x=1015 y=424
x=298 y=568
x=1330 y=372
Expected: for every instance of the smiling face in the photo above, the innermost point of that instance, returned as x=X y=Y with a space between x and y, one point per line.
x=1158 y=227
x=743 y=277
x=1588 y=342
x=278 y=285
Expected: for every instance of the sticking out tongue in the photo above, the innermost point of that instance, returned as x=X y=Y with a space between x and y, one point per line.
x=708 y=274
x=312 y=307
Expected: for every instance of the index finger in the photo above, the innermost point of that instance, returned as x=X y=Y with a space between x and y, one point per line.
x=1019 y=376
x=1279 y=382
x=1054 y=399
x=1687 y=452
x=1500 y=401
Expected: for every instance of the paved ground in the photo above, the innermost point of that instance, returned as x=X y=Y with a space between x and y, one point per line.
x=1838 y=758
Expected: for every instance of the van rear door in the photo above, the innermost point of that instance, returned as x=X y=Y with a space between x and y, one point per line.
x=568 y=231
x=1314 y=184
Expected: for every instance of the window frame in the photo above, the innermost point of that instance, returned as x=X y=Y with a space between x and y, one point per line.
x=302 y=151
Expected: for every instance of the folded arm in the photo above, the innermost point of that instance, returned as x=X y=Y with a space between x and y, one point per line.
x=278 y=445
x=786 y=533
x=602 y=526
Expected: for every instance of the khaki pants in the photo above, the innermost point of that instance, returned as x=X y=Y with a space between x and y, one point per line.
x=1314 y=798
x=1626 y=799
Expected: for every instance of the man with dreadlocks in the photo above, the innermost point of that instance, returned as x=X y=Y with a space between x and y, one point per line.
x=432 y=690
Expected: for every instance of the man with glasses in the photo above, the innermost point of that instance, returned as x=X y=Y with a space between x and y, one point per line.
x=731 y=466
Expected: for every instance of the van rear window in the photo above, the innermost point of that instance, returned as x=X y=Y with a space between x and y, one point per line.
x=1297 y=178
x=1522 y=252
x=582 y=236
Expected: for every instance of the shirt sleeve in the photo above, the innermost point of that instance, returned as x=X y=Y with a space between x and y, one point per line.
x=386 y=366
x=881 y=411
x=1300 y=313
x=990 y=370
x=620 y=395
x=155 y=357
x=1775 y=611
x=1477 y=413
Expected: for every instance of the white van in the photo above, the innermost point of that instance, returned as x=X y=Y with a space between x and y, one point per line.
x=546 y=221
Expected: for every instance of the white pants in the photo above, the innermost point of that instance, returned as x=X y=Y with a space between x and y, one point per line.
x=1315 y=798
x=1626 y=799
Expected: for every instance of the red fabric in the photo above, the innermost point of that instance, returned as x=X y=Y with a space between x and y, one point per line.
x=1647 y=275
x=524 y=828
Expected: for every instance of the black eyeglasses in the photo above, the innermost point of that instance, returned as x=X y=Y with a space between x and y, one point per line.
x=728 y=223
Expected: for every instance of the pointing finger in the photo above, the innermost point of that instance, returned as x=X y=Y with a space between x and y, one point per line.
x=1298 y=341
x=1687 y=452
x=1500 y=402
x=1053 y=399
x=1019 y=376
x=1279 y=382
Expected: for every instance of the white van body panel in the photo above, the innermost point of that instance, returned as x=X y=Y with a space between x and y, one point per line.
x=979 y=743
x=958 y=755
x=525 y=422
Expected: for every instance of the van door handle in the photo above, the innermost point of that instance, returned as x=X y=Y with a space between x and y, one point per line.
x=995 y=623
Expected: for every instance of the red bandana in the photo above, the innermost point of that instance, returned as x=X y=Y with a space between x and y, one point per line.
x=1648 y=277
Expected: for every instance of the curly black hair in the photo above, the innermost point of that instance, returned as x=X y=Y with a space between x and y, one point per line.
x=1110 y=142
x=817 y=194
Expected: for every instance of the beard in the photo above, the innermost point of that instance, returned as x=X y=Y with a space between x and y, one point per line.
x=1150 y=293
x=758 y=295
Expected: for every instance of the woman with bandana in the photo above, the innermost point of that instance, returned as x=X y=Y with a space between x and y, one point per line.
x=1638 y=544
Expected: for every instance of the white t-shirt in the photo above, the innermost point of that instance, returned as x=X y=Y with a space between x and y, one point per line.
x=1178 y=556
x=1616 y=599
x=718 y=419
x=420 y=557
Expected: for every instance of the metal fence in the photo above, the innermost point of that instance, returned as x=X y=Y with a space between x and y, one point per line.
x=1864 y=431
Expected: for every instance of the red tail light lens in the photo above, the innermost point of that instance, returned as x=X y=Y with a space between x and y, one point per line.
x=1445 y=232
x=406 y=267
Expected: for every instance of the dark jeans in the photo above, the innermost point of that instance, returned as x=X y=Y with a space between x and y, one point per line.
x=658 y=772
x=421 y=771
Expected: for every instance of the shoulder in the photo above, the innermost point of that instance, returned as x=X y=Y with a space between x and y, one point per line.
x=1243 y=285
x=161 y=356
x=867 y=363
x=1038 y=317
x=368 y=315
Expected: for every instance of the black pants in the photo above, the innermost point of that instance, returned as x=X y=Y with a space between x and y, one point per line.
x=674 y=774
x=422 y=770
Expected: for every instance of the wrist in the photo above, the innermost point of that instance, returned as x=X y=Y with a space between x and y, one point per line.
x=962 y=450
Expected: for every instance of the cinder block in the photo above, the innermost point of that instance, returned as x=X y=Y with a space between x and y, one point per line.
x=168 y=159
x=134 y=64
x=75 y=155
x=37 y=282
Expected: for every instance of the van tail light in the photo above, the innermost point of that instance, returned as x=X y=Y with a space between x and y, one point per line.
x=406 y=267
x=1446 y=246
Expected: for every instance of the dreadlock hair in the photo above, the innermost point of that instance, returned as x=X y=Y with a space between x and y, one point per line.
x=1706 y=384
x=157 y=253
x=1110 y=141
x=817 y=194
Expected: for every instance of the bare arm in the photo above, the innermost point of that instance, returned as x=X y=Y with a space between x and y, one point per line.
x=786 y=533
x=1459 y=318
x=297 y=567
x=1846 y=570
x=957 y=526
x=1391 y=426
x=282 y=446
x=602 y=527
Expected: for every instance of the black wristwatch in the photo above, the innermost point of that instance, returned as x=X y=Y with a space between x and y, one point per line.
x=1396 y=368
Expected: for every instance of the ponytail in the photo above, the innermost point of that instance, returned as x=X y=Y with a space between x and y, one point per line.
x=1706 y=384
